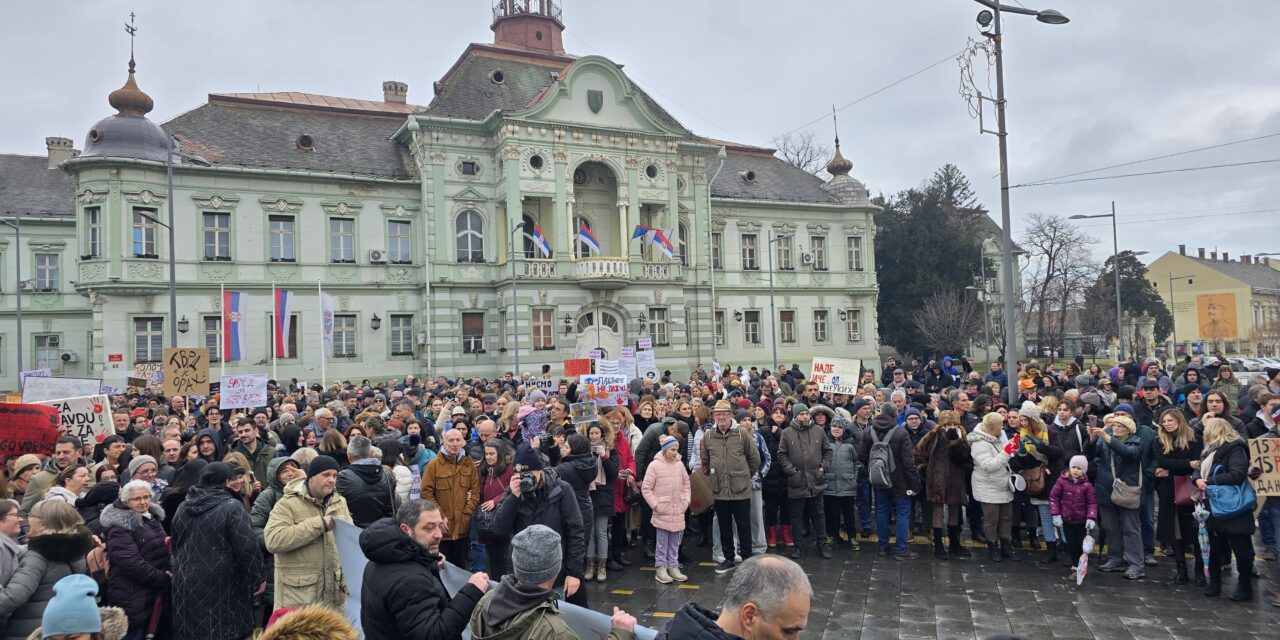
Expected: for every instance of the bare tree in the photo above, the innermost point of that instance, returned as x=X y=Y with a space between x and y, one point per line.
x=1059 y=272
x=948 y=320
x=800 y=149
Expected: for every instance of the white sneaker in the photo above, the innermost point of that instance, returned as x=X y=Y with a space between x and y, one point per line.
x=662 y=576
x=676 y=574
x=737 y=558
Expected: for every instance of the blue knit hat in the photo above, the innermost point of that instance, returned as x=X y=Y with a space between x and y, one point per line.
x=72 y=609
x=1125 y=407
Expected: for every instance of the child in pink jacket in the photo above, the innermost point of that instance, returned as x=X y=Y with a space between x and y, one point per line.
x=666 y=489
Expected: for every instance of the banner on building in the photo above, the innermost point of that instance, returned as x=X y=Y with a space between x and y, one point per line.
x=1216 y=314
x=186 y=372
x=605 y=390
x=41 y=389
x=328 y=306
x=1265 y=454
x=87 y=418
x=243 y=391
x=577 y=367
x=836 y=375
x=28 y=428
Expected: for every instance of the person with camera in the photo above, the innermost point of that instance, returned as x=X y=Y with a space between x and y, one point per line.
x=534 y=497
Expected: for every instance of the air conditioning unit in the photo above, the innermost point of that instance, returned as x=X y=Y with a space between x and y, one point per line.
x=51 y=341
x=70 y=356
x=806 y=258
x=377 y=256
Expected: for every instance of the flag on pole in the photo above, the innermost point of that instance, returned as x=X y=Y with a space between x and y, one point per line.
x=664 y=245
x=642 y=232
x=540 y=242
x=283 y=321
x=327 y=307
x=234 y=306
x=584 y=234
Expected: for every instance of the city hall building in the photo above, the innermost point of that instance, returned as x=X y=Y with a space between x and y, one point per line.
x=538 y=207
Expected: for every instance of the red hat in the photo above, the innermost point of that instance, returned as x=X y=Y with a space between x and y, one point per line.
x=138 y=412
x=744 y=403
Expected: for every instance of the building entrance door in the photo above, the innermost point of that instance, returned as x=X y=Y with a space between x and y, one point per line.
x=598 y=329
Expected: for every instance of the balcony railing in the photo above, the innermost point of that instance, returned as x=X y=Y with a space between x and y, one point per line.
x=655 y=271
x=506 y=8
x=608 y=268
x=534 y=268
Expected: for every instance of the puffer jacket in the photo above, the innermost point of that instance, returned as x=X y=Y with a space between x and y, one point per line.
x=272 y=491
x=842 y=476
x=730 y=459
x=139 y=560
x=1127 y=455
x=692 y=622
x=667 y=490
x=50 y=557
x=1075 y=500
x=578 y=471
x=454 y=484
x=307 y=568
x=805 y=456
x=369 y=491
x=990 y=478
x=97 y=498
x=216 y=566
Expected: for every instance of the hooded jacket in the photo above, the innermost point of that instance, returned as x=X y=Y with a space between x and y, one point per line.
x=804 y=453
x=402 y=595
x=369 y=491
x=272 y=491
x=216 y=566
x=50 y=557
x=219 y=452
x=139 y=559
x=842 y=477
x=579 y=471
x=990 y=478
x=692 y=622
x=667 y=490
x=554 y=506
x=515 y=611
x=306 y=553
x=1075 y=500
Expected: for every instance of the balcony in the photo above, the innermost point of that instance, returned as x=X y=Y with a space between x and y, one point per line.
x=539 y=269
x=602 y=273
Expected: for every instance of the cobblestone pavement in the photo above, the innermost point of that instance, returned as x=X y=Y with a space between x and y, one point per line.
x=859 y=595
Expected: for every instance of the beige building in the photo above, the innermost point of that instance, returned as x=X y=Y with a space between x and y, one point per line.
x=1220 y=303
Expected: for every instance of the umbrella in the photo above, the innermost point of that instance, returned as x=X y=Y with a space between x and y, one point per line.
x=154 y=622
x=1083 y=566
x=1202 y=516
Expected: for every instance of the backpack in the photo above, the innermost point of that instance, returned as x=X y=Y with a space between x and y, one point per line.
x=880 y=464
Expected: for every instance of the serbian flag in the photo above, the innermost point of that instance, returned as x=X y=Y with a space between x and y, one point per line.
x=584 y=234
x=664 y=245
x=641 y=232
x=540 y=242
x=283 y=323
x=234 y=324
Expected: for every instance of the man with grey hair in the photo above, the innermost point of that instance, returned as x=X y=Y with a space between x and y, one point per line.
x=367 y=487
x=767 y=599
x=323 y=420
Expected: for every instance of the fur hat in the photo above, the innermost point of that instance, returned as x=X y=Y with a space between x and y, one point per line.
x=309 y=623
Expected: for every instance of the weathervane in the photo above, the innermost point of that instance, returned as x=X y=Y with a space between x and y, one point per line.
x=132 y=30
x=835 y=124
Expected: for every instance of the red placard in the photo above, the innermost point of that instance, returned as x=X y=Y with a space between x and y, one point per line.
x=28 y=428
x=579 y=367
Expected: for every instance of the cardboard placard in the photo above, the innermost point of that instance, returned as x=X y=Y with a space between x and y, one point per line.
x=186 y=372
x=152 y=372
x=1265 y=454
x=627 y=366
x=607 y=367
x=605 y=390
x=577 y=367
x=644 y=343
x=627 y=352
x=28 y=428
x=34 y=373
x=42 y=389
x=647 y=366
x=87 y=417
x=547 y=385
x=836 y=375
x=243 y=391
x=582 y=412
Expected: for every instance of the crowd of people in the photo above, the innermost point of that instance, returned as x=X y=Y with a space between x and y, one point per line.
x=199 y=521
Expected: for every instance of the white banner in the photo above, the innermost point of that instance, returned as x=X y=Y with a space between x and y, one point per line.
x=627 y=366
x=605 y=390
x=40 y=389
x=328 y=304
x=35 y=373
x=547 y=385
x=608 y=367
x=836 y=375
x=87 y=418
x=647 y=366
x=243 y=391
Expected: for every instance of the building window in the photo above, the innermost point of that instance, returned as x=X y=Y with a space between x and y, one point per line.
x=399 y=242
x=470 y=234
x=213 y=337
x=855 y=253
x=543 y=329
x=148 y=339
x=280 y=230
x=749 y=255
x=658 y=327
x=217 y=236
x=853 y=325
x=49 y=352
x=46 y=272
x=469 y=168
x=682 y=244
x=344 y=335
x=290 y=341
x=820 y=325
x=819 y=245
x=144 y=234
x=716 y=261
x=402 y=334
x=580 y=248
x=93 y=239
x=751 y=327
x=719 y=326
x=342 y=240
x=784 y=253
x=473 y=332
x=787 y=325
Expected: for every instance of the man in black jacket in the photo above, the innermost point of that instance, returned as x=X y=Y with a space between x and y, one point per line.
x=368 y=489
x=402 y=595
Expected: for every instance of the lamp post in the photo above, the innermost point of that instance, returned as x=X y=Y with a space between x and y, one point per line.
x=1115 y=266
x=985 y=18
x=721 y=154
x=1173 y=314
x=16 y=224
x=175 y=149
x=773 y=314
x=986 y=324
x=515 y=322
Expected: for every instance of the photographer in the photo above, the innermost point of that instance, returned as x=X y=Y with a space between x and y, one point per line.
x=536 y=498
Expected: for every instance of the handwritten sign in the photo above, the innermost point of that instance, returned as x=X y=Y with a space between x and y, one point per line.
x=1265 y=454
x=608 y=367
x=28 y=428
x=836 y=375
x=644 y=343
x=186 y=372
x=627 y=367
x=34 y=373
x=87 y=418
x=243 y=391
x=546 y=384
x=583 y=412
x=577 y=367
x=41 y=389
x=627 y=352
x=647 y=366
x=595 y=354
x=605 y=390
x=152 y=372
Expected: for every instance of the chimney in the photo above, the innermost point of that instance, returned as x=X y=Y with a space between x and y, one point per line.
x=60 y=149
x=1225 y=257
x=393 y=91
x=1246 y=259
x=1266 y=261
x=1201 y=251
x=1213 y=255
x=1182 y=249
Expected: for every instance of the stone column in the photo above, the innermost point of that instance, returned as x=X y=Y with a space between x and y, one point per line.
x=570 y=230
x=624 y=233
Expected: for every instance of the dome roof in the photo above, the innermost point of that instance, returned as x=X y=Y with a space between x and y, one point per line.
x=839 y=165
x=128 y=134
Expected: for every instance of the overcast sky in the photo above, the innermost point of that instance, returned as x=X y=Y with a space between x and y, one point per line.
x=1123 y=81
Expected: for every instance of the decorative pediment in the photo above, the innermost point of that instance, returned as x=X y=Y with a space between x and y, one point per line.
x=399 y=210
x=470 y=195
x=716 y=224
x=48 y=246
x=784 y=229
x=143 y=197
x=749 y=226
x=594 y=91
x=215 y=201
x=855 y=230
x=341 y=208
x=89 y=196
x=280 y=204
x=818 y=229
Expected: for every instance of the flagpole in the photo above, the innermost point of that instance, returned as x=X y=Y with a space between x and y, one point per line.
x=222 y=335
x=275 y=320
x=320 y=299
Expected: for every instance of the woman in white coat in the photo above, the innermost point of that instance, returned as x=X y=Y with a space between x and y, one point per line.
x=991 y=486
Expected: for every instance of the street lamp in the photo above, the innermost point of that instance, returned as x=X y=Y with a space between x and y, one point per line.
x=16 y=224
x=175 y=149
x=721 y=154
x=986 y=324
x=515 y=322
x=1173 y=313
x=1047 y=16
x=1115 y=266
x=773 y=314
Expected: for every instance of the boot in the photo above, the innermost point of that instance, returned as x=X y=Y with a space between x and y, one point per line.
x=590 y=573
x=622 y=560
x=613 y=563
x=1180 y=575
x=1215 y=582
x=1032 y=541
x=786 y=536
x=992 y=554
x=939 y=551
x=1006 y=551
x=1243 y=592
x=771 y=536
x=649 y=550
x=662 y=576
x=1053 y=554
x=957 y=549
x=795 y=551
x=600 y=570
x=824 y=548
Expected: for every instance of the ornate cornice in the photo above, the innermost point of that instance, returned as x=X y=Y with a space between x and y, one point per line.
x=342 y=208
x=144 y=197
x=784 y=228
x=749 y=226
x=855 y=230
x=399 y=210
x=89 y=196
x=47 y=245
x=817 y=229
x=215 y=201
x=280 y=204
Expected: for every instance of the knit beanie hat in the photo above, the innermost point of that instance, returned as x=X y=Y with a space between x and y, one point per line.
x=527 y=459
x=667 y=442
x=799 y=408
x=24 y=461
x=138 y=461
x=536 y=554
x=1125 y=407
x=1080 y=462
x=859 y=404
x=72 y=609
x=217 y=473
x=320 y=465
x=537 y=395
x=1029 y=411
x=912 y=411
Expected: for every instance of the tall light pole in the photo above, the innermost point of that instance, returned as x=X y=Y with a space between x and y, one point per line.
x=1115 y=266
x=1173 y=313
x=515 y=321
x=175 y=149
x=16 y=224
x=773 y=314
x=721 y=154
x=986 y=325
x=985 y=18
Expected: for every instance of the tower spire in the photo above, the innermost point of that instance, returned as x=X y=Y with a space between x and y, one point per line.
x=129 y=100
x=839 y=165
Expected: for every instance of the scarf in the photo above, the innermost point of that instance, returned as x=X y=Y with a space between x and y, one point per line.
x=598 y=451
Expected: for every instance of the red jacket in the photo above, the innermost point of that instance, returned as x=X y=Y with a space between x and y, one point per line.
x=626 y=461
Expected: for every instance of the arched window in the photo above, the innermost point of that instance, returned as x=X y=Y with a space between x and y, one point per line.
x=682 y=245
x=470 y=234
x=580 y=248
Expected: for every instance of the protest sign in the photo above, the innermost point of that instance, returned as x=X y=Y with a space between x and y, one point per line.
x=546 y=384
x=605 y=390
x=152 y=372
x=627 y=366
x=111 y=391
x=647 y=366
x=836 y=375
x=595 y=354
x=41 y=389
x=627 y=352
x=581 y=412
x=577 y=367
x=608 y=367
x=243 y=391
x=186 y=372
x=1265 y=454
x=28 y=428
x=137 y=383
x=644 y=343
x=34 y=373
x=87 y=418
